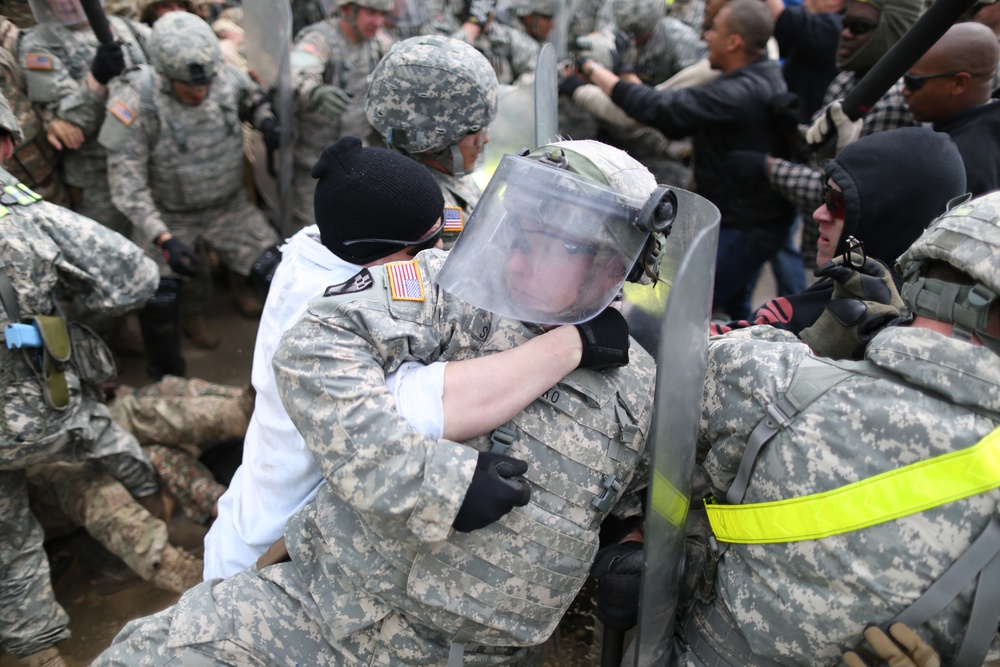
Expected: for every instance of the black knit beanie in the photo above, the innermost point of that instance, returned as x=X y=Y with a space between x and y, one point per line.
x=372 y=193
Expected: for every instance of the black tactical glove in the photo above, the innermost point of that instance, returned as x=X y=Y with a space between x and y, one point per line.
x=496 y=488
x=108 y=62
x=746 y=166
x=271 y=134
x=479 y=11
x=605 y=340
x=569 y=84
x=864 y=301
x=180 y=257
x=901 y=647
x=618 y=570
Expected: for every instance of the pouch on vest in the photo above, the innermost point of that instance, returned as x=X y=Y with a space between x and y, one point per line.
x=91 y=356
x=56 y=350
x=42 y=87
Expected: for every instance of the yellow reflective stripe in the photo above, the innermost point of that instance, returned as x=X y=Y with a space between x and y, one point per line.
x=21 y=197
x=884 y=497
x=3 y=211
x=28 y=191
x=668 y=502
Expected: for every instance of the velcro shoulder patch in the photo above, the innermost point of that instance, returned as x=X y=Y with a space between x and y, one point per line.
x=405 y=281
x=454 y=220
x=38 y=61
x=359 y=283
x=122 y=112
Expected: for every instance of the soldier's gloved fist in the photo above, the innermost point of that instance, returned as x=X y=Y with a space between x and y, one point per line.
x=901 y=647
x=605 y=340
x=180 y=257
x=834 y=122
x=329 y=100
x=864 y=301
x=108 y=62
x=596 y=46
x=271 y=134
x=479 y=11
x=618 y=570
x=496 y=488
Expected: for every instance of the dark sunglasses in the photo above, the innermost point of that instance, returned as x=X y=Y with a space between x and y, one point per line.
x=418 y=245
x=858 y=26
x=914 y=82
x=834 y=201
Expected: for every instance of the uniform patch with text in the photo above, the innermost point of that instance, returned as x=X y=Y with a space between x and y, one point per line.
x=404 y=281
x=453 y=220
x=122 y=112
x=38 y=61
x=359 y=283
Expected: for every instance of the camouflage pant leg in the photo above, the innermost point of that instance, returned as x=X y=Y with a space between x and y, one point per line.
x=187 y=478
x=242 y=620
x=240 y=233
x=108 y=512
x=30 y=617
x=178 y=411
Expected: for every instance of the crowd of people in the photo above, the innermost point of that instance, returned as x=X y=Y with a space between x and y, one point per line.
x=448 y=429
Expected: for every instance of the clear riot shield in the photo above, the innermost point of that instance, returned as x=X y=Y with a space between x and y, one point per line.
x=511 y=130
x=268 y=26
x=680 y=310
x=546 y=97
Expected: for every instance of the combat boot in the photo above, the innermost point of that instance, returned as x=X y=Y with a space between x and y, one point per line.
x=196 y=328
x=177 y=570
x=49 y=657
x=246 y=301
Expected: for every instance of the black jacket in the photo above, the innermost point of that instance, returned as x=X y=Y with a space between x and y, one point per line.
x=976 y=132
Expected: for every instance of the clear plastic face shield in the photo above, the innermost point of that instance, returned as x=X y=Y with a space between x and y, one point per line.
x=544 y=245
x=59 y=12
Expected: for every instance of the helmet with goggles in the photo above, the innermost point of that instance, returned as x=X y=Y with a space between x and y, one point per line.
x=966 y=237
x=558 y=231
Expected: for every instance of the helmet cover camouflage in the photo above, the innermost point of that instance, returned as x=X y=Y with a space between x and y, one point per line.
x=377 y=5
x=8 y=121
x=638 y=17
x=967 y=237
x=541 y=7
x=144 y=8
x=184 y=48
x=428 y=92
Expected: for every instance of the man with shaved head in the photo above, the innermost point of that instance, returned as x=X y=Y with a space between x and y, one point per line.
x=950 y=87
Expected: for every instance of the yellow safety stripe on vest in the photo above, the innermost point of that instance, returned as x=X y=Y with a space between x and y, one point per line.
x=4 y=211
x=884 y=497
x=23 y=198
x=668 y=502
x=28 y=191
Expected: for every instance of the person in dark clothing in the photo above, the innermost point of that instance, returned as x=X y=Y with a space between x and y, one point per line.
x=883 y=190
x=950 y=87
x=734 y=112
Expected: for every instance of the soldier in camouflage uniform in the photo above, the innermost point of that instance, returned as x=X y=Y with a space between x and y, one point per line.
x=331 y=61
x=434 y=551
x=801 y=588
x=35 y=161
x=56 y=58
x=52 y=404
x=175 y=139
x=433 y=98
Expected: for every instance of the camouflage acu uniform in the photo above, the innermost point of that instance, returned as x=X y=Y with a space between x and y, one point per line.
x=511 y=51
x=179 y=168
x=51 y=253
x=806 y=602
x=56 y=60
x=35 y=161
x=322 y=54
x=671 y=47
x=377 y=575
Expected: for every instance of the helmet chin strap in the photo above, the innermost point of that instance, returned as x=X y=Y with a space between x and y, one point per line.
x=965 y=306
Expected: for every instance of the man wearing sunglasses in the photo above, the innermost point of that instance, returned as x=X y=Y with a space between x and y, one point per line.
x=950 y=87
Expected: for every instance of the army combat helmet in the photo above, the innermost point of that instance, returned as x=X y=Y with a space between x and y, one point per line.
x=557 y=232
x=427 y=93
x=638 y=17
x=8 y=121
x=523 y=8
x=967 y=237
x=182 y=47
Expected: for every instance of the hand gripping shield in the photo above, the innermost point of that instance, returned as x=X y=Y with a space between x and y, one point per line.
x=268 y=26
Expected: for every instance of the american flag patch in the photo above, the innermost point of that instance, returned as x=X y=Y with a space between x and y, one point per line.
x=404 y=281
x=122 y=112
x=453 y=221
x=38 y=61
